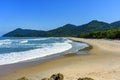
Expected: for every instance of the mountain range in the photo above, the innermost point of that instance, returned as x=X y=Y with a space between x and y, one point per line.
x=67 y=30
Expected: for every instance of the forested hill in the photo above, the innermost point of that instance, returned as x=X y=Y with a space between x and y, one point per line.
x=106 y=34
x=67 y=30
x=25 y=33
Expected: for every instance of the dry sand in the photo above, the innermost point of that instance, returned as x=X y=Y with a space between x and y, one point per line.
x=102 y=63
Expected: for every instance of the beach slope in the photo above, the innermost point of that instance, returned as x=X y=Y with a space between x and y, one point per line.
x=102 y=63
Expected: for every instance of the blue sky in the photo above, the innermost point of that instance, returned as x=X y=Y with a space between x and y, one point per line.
x=49 y=14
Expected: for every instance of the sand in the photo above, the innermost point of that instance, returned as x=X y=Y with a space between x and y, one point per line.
x=102 y=63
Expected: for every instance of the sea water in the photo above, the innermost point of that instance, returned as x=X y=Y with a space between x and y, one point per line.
x=13 y=50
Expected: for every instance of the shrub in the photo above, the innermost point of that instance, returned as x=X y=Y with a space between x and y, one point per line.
x=23 y=78
x=86 y=78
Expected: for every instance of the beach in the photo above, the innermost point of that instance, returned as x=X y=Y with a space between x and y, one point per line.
x=101 y=63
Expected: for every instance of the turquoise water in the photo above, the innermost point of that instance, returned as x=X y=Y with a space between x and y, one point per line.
x=14 y=50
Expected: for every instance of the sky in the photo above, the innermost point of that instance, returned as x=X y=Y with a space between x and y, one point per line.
x=50 y=14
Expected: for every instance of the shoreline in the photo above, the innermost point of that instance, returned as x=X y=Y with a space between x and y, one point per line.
x=9 y=68
x=102 y=63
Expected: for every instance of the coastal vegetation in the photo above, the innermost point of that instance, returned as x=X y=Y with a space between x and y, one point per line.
x=93 y=29
x=107 y=34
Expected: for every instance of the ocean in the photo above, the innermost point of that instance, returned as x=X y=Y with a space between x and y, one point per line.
x=13 y=50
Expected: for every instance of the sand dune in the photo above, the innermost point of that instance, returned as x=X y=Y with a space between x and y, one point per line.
x=102 y=63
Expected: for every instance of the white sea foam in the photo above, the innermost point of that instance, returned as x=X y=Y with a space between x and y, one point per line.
x=43 y=49
x=15 y=57
x=23 y=41
x=7 y=41
x=36 y=39
x=68 y=41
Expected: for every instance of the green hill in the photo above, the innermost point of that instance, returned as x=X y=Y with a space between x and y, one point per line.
x=107 y=34
x=115 y=24
x=24 y=33
x=68 y=30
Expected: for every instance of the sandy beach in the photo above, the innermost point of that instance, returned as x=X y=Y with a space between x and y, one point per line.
x=102 y=63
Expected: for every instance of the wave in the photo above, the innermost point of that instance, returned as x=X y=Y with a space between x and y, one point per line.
x=24 y=41
x=6 y=41
x=36 y=39
x=9 y=41
x=32 y=48
x=15 y=57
